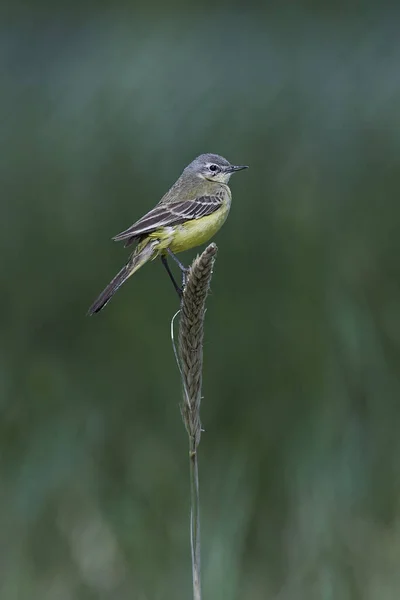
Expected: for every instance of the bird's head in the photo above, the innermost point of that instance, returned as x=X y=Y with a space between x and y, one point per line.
x=213 y=168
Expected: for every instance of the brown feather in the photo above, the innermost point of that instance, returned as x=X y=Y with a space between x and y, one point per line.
x=168 y=215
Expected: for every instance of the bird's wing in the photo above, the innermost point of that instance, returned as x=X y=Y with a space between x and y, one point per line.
x=174 y=213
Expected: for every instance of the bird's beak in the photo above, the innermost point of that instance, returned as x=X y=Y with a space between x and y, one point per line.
x=233 y=168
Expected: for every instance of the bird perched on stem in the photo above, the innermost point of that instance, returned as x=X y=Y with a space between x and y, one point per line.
x=189 y=214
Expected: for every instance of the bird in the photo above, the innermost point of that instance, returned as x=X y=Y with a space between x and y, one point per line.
x=188 y=215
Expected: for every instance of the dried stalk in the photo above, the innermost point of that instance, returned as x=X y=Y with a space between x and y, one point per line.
x=191 y=333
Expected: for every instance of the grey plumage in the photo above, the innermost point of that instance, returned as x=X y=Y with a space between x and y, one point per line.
x=200 y=191
x=197 y=192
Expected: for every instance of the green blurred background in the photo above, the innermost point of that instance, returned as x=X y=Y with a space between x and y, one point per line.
x=101 y=107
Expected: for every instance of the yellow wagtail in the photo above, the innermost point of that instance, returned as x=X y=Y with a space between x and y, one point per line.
x=189 y=214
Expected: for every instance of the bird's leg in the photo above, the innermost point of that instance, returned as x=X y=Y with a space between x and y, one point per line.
x=166 y=265
x=182 y=267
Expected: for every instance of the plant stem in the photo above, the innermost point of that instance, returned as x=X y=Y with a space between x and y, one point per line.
x=195 y=524
x=191 y=334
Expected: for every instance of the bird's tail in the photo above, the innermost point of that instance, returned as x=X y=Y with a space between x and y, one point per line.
x=143 y=253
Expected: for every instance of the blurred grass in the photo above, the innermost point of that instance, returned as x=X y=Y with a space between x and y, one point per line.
x=101 y=109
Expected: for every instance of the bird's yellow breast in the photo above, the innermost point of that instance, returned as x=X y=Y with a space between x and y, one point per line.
x=199 y=231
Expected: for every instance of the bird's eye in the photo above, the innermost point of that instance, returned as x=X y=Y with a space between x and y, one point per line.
x=213 y=168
